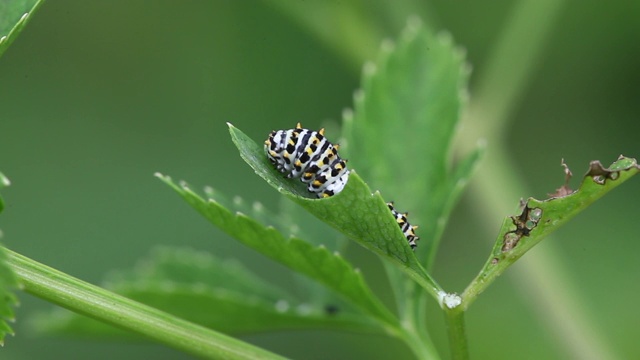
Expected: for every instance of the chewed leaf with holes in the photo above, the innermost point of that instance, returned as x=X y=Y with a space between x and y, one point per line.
x=316 y=262
x=355 y=211
x=221 y=295
x=539 y=218
x=8 y=282
x=14 y=15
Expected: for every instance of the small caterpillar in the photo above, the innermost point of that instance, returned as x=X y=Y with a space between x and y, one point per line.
x=407 y=229
x=308 y=155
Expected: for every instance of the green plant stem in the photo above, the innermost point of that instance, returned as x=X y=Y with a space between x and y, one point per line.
x=81 y=297
x=422 y=347
x=456 y=333
x=414 y=324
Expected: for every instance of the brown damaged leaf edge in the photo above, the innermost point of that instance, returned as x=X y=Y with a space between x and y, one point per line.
x=539 y=218
x=600 y=175
x=564 y=190
x=524 y=223
x=530 y=216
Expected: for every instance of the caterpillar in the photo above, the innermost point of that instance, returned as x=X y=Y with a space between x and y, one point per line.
x=308 y=155
x=407 y=229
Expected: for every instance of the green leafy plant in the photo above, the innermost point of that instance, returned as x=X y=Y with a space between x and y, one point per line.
x=398 y=139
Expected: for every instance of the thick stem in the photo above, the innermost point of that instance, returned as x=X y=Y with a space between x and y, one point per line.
x=457 y=334
x=76 y=295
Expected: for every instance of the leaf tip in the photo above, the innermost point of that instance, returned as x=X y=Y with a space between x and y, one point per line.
x=4 y=181
x=183 y=184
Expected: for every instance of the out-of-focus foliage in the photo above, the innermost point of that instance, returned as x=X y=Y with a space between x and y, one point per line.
x=97 y=96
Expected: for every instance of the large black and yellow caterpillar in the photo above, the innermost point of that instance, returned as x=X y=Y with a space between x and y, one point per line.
x=308 y=155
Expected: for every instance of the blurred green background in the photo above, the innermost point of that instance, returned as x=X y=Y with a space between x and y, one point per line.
x=97 y=96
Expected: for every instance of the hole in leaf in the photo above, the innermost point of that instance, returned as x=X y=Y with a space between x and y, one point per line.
x=535 y=214
x=511 y=239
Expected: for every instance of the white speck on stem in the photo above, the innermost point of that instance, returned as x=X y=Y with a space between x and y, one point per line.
x=451 y=300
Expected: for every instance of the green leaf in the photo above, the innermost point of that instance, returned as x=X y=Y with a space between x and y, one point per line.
x=304 y=225
x=197 y=268
x=292 y=221
x=400 y=132
x=8 y=282
x=539 y=218
x=315 y=262
x=356 y=212
x=14 y=15
x=197 y=287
